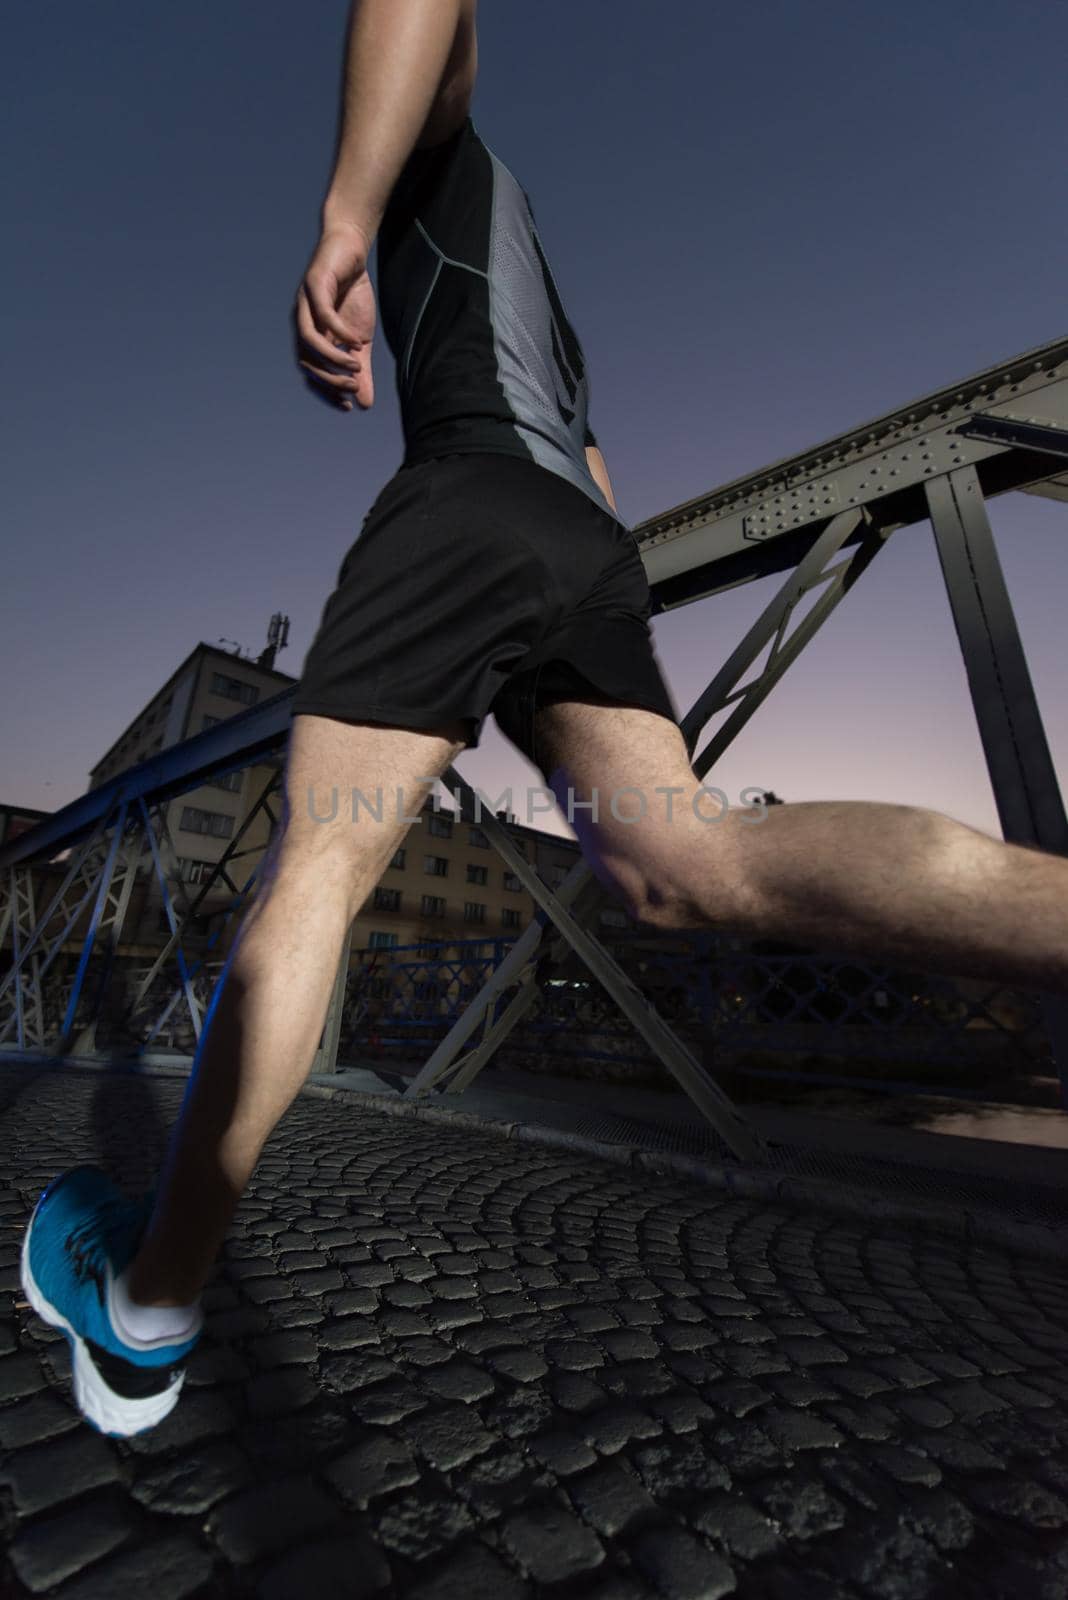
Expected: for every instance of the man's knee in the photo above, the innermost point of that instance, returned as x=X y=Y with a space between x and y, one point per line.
x=663 y=902
x=704 y=884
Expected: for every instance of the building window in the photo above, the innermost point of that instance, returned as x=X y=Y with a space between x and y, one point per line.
x=382 y=941
x=477 y=837
x=511 y=881
x=387 y=900
x=439 y=825
x=397 y=859
x=474 y=912
x=509 y=917
x=207 y=722
x=191 y=871
x=232 y=782
x=476 y=874
x=196 y=820
x=437 y=866
x=234 y=689
x=433 y=905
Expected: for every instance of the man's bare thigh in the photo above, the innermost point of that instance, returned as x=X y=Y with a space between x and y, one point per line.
x=642 y=826
x=351 y=789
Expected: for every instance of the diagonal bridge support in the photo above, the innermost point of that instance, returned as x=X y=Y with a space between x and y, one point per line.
x=446 y=1064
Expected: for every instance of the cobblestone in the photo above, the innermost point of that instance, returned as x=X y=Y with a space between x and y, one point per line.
x=20 y=1375
x=280 y=1349
x=346 y=1333
x=421 y=1525
x=525 y=1366
x=47 y=1474
x=293 y=1442
x=459 y=1380
x=449 y=1438
x=468 y=1571
x=739 y=1527
x=352 y=1566
x=172 y=1568
x=550 y=1543
x=187 y=1485
x=373 y=1468
x=452 y=1368
x=274 y=1393
x=268 y=1518
x=801 y=1508
x=52 y=1548
x=682 y=1568
x=610 y=1498
x=562 y=1453
x=43 y=1416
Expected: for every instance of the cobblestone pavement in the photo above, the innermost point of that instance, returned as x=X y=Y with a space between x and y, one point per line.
x=445 y=1367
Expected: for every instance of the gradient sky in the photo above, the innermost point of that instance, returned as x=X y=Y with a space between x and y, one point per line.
x=769 y=223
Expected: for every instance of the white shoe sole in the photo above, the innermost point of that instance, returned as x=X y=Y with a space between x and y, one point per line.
x=109 y=1412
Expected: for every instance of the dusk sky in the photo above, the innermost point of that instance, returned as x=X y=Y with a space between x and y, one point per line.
x=769 y=223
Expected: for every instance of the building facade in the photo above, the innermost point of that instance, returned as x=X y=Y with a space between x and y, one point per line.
x=445 y=881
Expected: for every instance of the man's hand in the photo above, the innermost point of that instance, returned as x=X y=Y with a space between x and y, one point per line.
x=335 y=318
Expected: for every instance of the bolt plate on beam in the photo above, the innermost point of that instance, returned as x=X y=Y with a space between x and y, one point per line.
x=794 y=509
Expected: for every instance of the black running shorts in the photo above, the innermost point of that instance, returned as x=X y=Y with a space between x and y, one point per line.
x=482 y=582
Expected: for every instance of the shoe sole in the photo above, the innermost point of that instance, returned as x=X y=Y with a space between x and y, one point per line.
x=108 y=1412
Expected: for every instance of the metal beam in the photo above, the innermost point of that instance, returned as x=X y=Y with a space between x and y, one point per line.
x=771 y=627
x=1027 y=433
x=1022 y=775
x=736 y=1132
x=445 y=1058
x=1014 y=740
x=233 y=744
x=81 y=879
x=86 y=1042
x=325 y=1059
x=747 y=529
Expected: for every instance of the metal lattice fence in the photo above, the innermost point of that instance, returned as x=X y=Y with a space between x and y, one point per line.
x=753 y=1011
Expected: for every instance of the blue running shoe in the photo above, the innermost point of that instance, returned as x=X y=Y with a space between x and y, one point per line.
x=82 y=1236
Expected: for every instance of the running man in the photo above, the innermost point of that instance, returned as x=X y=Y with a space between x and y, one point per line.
x=491 y=574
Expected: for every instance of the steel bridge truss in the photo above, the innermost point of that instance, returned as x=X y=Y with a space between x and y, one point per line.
x=821 y=518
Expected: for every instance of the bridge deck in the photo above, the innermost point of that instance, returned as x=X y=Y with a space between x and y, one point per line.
x=468 y=1366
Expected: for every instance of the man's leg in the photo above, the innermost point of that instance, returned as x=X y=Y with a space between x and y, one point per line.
x=892 y=882
x=268 y=1010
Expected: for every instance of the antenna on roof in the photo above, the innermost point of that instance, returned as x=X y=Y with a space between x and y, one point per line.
x=277 y=639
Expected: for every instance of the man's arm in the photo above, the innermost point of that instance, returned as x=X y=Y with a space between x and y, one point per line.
x=397 y=55
x=409 y=72
x=595 y=461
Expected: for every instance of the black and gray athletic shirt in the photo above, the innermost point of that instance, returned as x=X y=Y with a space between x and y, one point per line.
x=486 y=357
